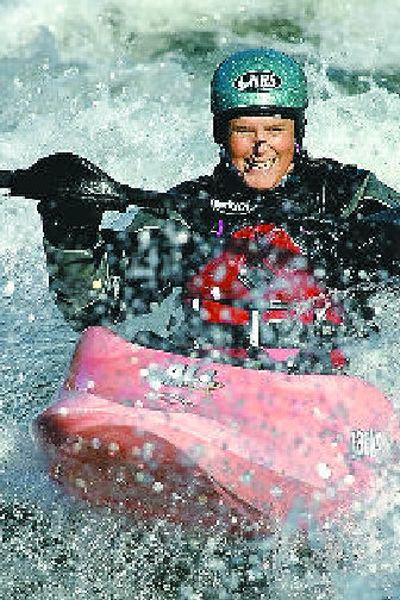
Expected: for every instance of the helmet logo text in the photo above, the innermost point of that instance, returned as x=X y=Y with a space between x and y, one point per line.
x=257 y=81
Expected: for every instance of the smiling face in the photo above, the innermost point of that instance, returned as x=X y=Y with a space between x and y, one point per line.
x=262 y=149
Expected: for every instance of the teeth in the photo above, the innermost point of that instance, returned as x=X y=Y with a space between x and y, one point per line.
x=267 y=164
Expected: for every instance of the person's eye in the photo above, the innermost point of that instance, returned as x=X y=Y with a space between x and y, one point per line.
x=241 y=131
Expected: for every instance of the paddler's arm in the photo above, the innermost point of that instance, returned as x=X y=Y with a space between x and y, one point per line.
x=75 y=260
x=384 y=194
x=371 y=196
x=373 y=237
x=101 y=276
x=74 y=193
x=373 y=268
x=376 y=214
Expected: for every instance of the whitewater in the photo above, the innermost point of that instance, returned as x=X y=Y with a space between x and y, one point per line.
x=125 y=83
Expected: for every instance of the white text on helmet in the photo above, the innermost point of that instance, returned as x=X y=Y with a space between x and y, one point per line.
x=257 y=81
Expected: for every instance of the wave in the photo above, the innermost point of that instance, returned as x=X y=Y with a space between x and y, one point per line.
x=347 y=32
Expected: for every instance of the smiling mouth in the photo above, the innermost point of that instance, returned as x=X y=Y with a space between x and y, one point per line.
x=260 y=165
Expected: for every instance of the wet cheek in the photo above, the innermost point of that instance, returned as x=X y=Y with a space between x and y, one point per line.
x=239 y=148
x=285 y=145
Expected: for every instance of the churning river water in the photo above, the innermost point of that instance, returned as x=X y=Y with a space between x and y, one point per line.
x=125 y=83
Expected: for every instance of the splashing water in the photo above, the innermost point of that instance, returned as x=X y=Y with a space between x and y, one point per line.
x=126 y=85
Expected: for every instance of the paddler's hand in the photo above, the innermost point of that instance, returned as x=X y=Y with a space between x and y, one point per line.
x=70 y=223
x=74 y=193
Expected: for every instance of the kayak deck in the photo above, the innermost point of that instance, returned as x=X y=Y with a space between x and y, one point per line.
x=196 y=442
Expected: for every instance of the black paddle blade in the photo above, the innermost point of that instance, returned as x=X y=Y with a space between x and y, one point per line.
x=66 y=175
x=69 y=177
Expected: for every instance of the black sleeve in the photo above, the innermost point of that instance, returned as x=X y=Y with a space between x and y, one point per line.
x=148 y=258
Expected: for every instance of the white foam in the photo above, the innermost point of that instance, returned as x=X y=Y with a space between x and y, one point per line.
x=351 y=33
x=115 y=85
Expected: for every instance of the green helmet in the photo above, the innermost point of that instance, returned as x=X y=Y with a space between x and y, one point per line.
x=258 y=82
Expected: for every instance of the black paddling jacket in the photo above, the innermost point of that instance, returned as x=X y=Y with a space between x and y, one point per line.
x=342 y=218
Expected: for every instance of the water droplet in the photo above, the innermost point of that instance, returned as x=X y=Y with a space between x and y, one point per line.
x=158 y=487
x=77 y=445
x=324 y=471
x=148 y=449
x=247 y=477
x=276 y=491
x=113 y=447
x=9 y=289
x=348 y=480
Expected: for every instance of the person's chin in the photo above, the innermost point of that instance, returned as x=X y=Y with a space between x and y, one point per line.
x=260 y=180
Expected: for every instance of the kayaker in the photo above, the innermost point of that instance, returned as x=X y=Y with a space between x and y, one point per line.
x=267 y=205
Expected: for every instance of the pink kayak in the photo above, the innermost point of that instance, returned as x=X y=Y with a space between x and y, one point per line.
x=195 y=442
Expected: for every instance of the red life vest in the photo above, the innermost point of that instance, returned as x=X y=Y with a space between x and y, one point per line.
x=262 y=276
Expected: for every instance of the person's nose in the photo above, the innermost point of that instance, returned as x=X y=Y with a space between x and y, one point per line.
x=260 y=140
